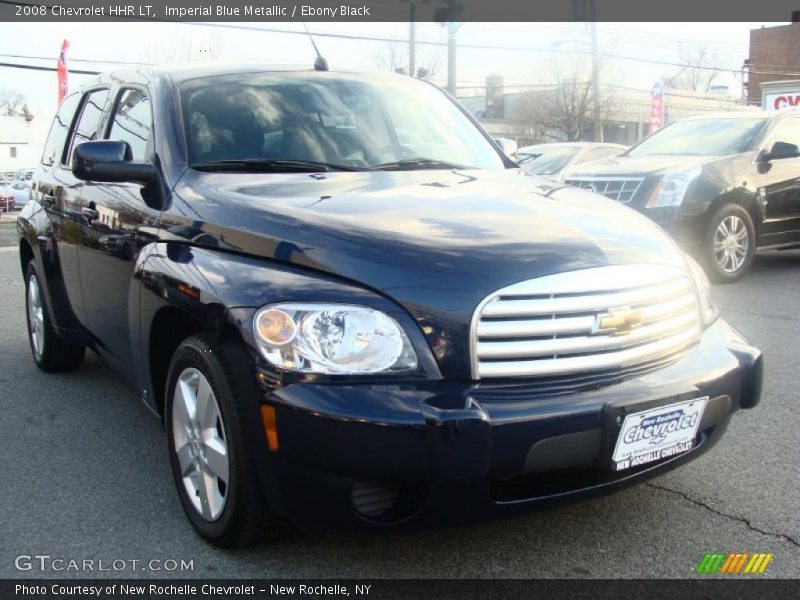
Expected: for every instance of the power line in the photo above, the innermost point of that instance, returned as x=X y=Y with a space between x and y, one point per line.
x=39 y=68
x=71 y=60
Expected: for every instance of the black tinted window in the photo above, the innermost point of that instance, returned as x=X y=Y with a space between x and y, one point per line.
x=337 y=118
x=89 y=121
x=54 y=147
x=133 y=121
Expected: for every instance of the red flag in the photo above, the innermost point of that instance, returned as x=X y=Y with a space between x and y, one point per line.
x=656 y=108
x=63 y=86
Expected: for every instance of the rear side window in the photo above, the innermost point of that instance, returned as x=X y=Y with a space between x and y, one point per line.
x=54 y=147
x=133 y=121
x=89 y=121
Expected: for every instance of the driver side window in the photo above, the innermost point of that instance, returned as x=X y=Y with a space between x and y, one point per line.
x=133 y=121
x=788 y=132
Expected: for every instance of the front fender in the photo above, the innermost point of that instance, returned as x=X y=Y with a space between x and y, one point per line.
x=222 y=291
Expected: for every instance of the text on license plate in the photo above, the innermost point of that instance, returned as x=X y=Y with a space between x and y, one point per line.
x=658 y=433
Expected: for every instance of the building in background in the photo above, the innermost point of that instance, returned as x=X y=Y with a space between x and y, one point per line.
x=22 y=140
x=774 y=56
x=504 y=114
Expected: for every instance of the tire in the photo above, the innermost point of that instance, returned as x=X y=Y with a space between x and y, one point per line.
x=227 y=506
x=50 y=352
x=728 y=244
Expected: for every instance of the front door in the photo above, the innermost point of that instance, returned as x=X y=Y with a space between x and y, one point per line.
x=781 y=191
x=111 y=240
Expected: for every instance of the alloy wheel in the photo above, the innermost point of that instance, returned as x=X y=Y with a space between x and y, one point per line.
x=35 y=316
x=200 y=443
x=731 y=244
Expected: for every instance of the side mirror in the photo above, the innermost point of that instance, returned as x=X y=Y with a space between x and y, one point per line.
x=110 y=161
x=781 y=150
x=508 y=146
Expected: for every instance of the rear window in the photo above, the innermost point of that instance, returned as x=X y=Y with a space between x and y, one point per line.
x=54 y=147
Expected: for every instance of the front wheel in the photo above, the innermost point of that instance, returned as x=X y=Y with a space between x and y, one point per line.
x=729 y=243
x=211 y=465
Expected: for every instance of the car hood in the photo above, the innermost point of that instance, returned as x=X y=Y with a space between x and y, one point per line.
x=640 y=165
x=436 y=242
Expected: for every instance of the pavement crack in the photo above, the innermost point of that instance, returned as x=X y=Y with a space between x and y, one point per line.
x=744 y=520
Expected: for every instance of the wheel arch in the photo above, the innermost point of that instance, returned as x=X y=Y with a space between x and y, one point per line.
x=25 y=254
x=748 y=201
x=170 y=326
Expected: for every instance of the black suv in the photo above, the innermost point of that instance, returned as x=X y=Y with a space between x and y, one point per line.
x=723 y=184
x=348 y=307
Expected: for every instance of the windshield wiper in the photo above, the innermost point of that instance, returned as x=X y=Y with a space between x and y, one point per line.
x=416 y=163
x=270 y=165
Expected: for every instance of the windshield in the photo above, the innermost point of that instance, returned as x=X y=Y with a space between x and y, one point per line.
x=546 y=161
x=330 y=120
x=704 y=137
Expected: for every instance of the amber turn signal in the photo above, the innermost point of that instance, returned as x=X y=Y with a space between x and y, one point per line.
x=270 y=426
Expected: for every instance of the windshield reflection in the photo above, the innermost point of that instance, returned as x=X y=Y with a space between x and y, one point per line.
x=339 y=119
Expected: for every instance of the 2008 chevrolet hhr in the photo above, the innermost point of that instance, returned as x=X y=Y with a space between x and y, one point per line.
x=348 y=307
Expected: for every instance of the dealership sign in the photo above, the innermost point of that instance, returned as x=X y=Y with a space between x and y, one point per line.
x=780 y=94
x=784 y=100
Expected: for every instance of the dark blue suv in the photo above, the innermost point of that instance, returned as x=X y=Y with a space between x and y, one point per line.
x=349 y=308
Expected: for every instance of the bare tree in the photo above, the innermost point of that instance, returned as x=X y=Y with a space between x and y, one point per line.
x=13 y=103
x=393 y=56
x=562 y=106
x=528 y=117
x=698 y=72
x=186 y=47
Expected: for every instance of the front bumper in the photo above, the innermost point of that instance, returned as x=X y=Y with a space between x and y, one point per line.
x=449 y=452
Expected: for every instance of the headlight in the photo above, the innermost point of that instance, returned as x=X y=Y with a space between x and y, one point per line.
x=332 y=339
x=672 y=187
x=708 y=310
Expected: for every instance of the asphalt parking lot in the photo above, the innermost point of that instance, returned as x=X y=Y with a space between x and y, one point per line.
x=86 y=477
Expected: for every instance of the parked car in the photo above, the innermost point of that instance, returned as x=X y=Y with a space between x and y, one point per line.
x=7 y=199
x=23 y=174
x=342 y=329
x=723 y=184
x=21 y=190
x=557 y=160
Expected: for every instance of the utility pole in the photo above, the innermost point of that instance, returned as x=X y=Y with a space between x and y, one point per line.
x=412 y=39
x=452 y=28
x=598 y=123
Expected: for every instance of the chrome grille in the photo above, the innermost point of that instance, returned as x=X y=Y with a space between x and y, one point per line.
x=550 y=325
x=621 y=189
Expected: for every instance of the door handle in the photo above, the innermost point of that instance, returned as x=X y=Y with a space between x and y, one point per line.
x=89 y=213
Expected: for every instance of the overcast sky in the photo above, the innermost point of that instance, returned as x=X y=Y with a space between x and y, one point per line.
x=522 y=52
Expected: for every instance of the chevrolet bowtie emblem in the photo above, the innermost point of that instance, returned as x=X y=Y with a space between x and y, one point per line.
x=619 y=322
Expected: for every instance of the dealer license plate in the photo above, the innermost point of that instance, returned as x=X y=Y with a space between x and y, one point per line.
x=658 y=433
